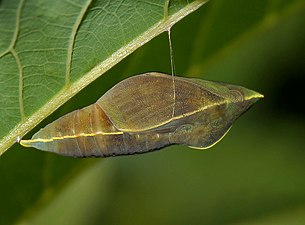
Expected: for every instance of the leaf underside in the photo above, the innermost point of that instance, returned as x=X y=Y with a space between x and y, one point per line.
x=49 y=51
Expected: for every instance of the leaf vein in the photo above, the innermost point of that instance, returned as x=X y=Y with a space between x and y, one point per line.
x=72 y=41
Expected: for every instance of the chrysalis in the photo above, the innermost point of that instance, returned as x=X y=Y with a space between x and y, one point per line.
x=136 y=116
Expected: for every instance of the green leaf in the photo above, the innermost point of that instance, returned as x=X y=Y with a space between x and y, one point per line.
x=295 y=216
x=50 y=50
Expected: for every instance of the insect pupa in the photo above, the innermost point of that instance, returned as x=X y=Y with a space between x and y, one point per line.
x=135 y=116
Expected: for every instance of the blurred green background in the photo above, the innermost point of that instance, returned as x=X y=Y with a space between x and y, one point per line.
x=255 y=175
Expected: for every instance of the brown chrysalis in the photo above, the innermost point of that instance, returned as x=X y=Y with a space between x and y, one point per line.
x=136 y=116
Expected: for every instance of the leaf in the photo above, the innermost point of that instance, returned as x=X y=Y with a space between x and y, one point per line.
x=49 y=51
x=295 y=216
